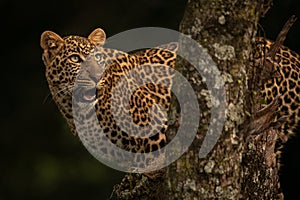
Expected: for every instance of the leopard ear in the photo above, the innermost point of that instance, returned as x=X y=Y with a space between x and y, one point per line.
x=50 y=40
x=97 y=37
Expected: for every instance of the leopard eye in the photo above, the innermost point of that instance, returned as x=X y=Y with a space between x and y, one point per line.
x=75 y=58
x=98 y=56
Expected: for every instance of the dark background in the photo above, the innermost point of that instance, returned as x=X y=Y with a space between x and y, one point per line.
x=40 y=159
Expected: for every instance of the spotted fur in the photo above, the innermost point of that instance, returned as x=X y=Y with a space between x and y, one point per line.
x=284 y=84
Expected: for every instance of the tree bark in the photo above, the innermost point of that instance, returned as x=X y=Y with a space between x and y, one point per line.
x=242 y=165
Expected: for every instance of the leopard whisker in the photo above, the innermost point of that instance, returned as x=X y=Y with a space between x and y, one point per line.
x=64 y=91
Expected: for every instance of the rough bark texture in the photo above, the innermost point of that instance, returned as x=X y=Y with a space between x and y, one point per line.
x=241 y=165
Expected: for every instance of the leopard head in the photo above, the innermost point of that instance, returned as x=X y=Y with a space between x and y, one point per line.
x=63 y=58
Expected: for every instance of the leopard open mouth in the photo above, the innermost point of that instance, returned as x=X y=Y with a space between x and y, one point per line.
x=85 y=95
x=89 y=94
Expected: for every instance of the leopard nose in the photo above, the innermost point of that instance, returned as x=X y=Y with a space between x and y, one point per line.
x=96 y=72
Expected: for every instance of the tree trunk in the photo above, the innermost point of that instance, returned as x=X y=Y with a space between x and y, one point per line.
x=242 y=164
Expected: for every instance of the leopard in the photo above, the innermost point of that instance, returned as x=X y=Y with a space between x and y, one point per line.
x=79 y=60
x=91 y=72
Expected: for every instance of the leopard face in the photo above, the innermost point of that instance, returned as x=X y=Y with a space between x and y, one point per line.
x=285 y=85
x=62 y=58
